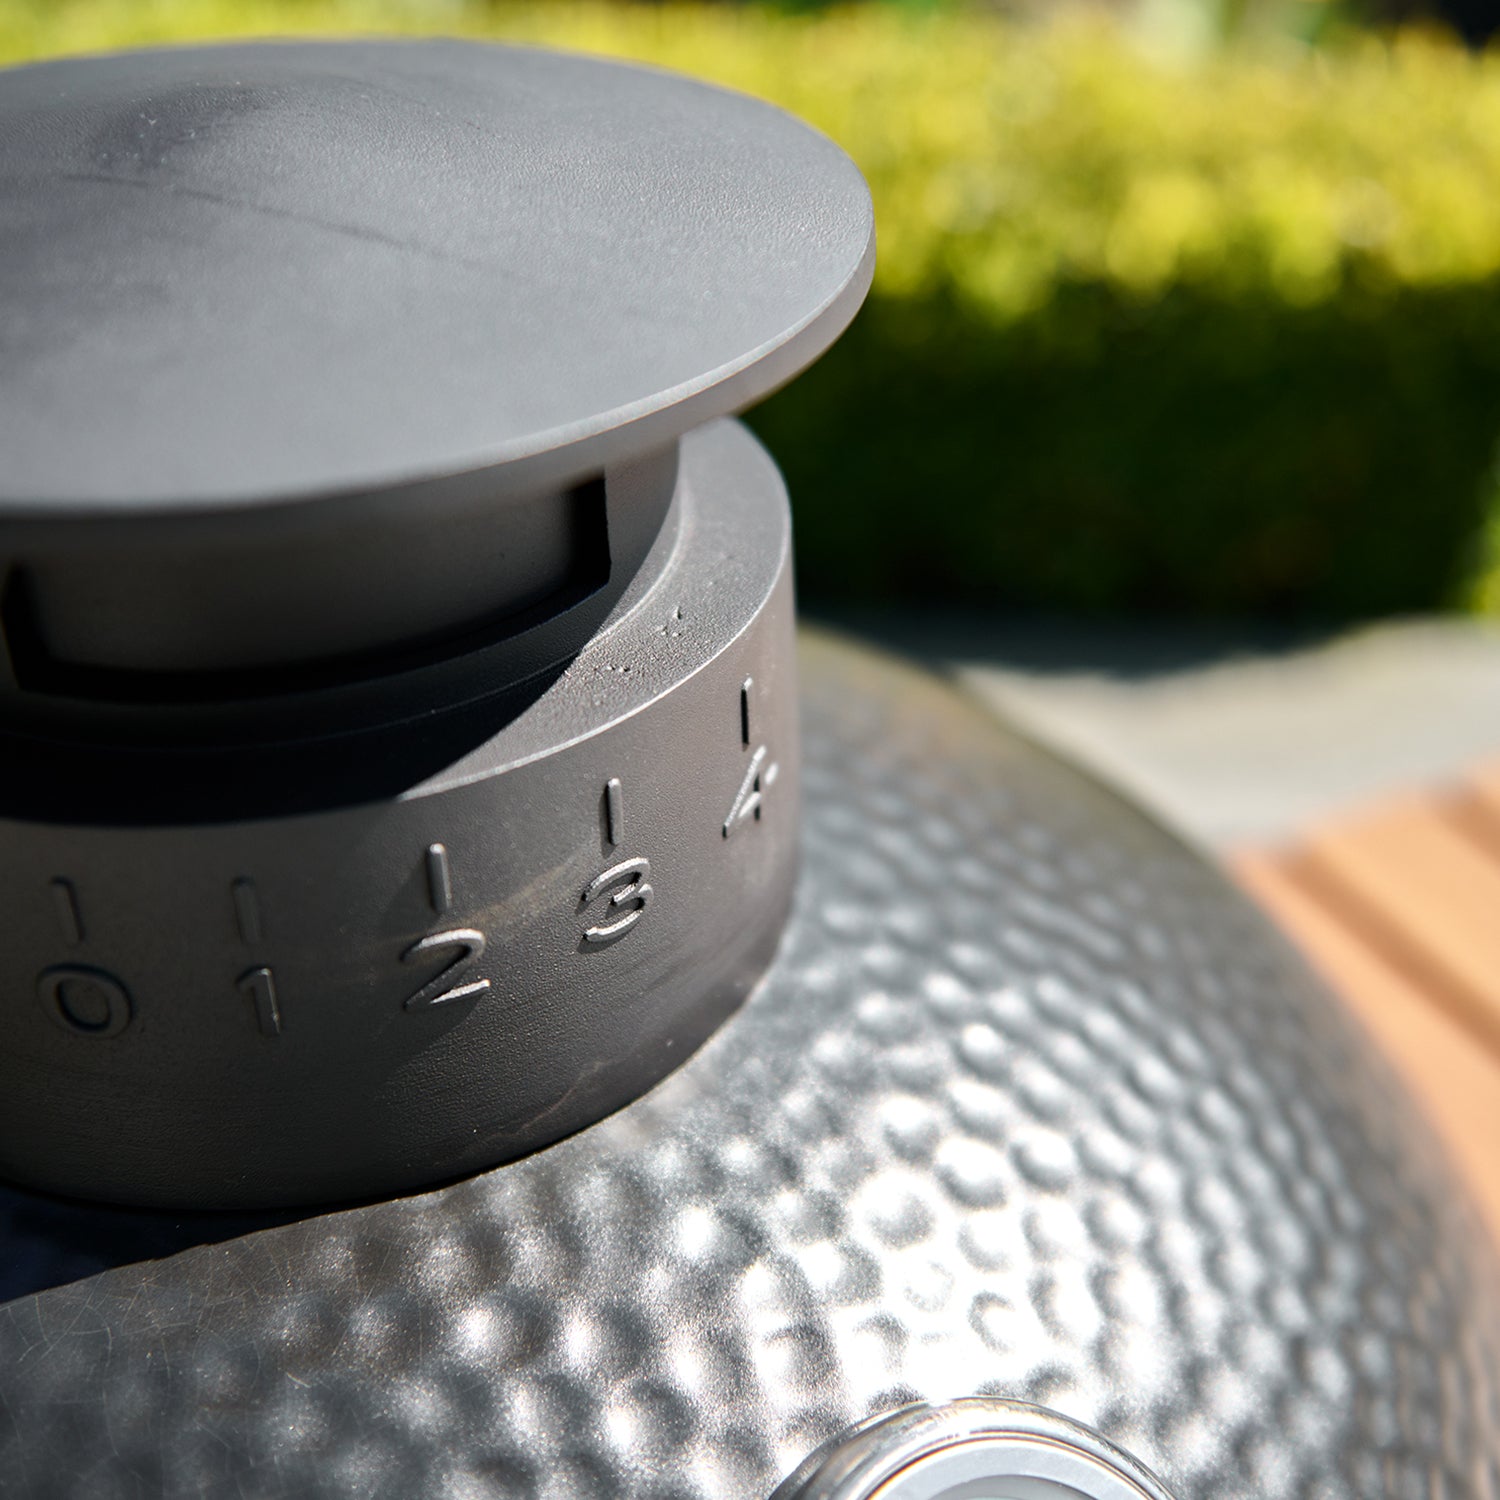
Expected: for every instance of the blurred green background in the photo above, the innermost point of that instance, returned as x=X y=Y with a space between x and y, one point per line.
x=1182 y=306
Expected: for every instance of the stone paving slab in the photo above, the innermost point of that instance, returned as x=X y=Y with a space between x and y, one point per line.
x=1232 y=735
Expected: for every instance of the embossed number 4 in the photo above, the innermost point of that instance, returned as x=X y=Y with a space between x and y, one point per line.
x=747 y=803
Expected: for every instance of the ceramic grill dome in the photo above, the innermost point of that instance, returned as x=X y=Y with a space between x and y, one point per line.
x=406 y=780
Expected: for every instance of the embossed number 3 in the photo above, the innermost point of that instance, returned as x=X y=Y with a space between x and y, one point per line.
x=630 y=876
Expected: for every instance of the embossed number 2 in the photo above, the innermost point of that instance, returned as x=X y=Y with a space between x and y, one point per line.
x=440 y=989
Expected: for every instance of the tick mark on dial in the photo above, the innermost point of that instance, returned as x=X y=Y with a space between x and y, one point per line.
x=614 y=810
x=247 y=911
x=69 y=917
x=439 y=879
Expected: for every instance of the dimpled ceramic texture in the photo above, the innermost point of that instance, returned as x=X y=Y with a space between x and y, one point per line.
x=1032 y=1104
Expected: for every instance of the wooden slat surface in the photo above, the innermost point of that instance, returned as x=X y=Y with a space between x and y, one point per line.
x=1482 y=787
x=1408 y=878
x=1399 y=906
x=1455 y=1082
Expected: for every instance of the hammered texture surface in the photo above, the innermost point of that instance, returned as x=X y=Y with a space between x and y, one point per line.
x=1032 y=1104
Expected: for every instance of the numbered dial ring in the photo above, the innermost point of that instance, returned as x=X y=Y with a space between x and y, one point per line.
x=341 y=1003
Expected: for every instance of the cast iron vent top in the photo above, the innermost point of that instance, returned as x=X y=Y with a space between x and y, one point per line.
x=572 y=262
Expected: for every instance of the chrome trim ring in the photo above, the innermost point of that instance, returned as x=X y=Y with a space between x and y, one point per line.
x=972 y=1449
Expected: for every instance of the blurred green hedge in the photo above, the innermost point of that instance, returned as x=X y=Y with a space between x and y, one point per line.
x=1220 y=335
